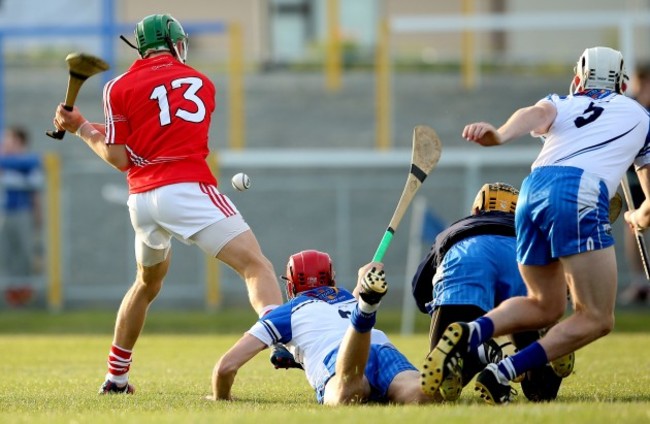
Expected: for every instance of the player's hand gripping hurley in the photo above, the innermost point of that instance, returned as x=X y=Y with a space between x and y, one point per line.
x=81 y=66
x=425 y=155
x=640 y=241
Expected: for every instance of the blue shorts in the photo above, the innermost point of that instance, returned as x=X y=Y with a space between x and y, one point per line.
x=480 y=271
x=384 y=363
x=561 y=211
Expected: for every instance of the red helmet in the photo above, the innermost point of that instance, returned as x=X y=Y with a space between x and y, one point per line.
x=307 y=270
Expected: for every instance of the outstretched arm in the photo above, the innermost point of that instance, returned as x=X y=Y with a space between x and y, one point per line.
x=537 y=119
x=223 y=375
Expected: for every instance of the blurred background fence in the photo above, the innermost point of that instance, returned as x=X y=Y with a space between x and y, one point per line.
x=317 y=100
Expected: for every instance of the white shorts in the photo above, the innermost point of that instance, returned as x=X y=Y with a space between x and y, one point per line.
x=194 y=213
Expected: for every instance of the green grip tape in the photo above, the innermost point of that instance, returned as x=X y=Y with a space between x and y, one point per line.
x=383 y=246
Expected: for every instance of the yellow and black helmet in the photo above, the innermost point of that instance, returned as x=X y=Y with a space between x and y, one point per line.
x=496 y=197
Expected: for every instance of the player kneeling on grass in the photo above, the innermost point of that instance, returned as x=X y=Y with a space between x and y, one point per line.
x=470 y=270
x=331 y=335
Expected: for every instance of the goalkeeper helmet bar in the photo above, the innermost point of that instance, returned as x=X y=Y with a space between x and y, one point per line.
x=308 y=270
x=496 y=197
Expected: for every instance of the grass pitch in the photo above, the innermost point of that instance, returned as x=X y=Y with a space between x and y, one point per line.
x=53 y=376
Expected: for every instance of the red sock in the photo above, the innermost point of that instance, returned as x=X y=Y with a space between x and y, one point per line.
x=119 y=361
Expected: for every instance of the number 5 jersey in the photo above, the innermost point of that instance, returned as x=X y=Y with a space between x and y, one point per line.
x=598 y=131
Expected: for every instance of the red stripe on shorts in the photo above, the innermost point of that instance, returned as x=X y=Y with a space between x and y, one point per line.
x=217 y=199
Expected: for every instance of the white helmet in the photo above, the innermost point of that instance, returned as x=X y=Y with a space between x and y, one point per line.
x=600 y=67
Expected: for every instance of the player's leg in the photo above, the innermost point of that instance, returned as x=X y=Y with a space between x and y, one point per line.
x=133 y=309
x=132 y=314
x=544 y=305
x=21 y=264
x=15 y=247
x=445 y=315
x=349 y=384
x=406 y=388
x=5 y=246
x=152 y=266
x=538 y=384
x=592 y=280
x=585 y=247
x=466 y=285
x=231 y=241
x=442 y=317
x=394 y=378
x=591 y=277
x=197 y=213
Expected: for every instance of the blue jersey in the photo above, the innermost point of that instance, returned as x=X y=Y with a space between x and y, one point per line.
x=20 y=177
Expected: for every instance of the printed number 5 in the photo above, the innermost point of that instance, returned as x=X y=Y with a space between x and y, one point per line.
x=193 y=85
x=594 y=112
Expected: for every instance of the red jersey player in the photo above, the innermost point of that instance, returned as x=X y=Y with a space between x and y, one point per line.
x=157 y=117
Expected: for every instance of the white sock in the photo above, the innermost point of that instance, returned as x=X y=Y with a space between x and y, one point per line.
x=120 y=380
x=367 y=308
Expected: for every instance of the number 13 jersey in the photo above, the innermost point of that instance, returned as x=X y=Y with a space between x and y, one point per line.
x=160 y=109
x=599 y=131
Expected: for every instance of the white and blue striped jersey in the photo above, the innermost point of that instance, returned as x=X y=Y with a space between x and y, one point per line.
x=598 y=131
x=311 y=325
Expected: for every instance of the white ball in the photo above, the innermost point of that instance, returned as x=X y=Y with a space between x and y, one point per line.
x=241 y=182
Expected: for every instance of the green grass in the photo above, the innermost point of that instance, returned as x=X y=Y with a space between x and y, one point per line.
x=52 y=376
x=229 y=321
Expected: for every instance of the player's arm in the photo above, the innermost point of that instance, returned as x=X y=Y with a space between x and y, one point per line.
x=536 y=119
x=223 y=375
x=94 y=135
x=640 y=218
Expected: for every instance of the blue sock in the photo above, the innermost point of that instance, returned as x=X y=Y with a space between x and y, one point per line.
x=361 y=321
x=530 y=357
x=482 y=330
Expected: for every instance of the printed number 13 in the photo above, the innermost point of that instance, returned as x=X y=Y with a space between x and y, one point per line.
x=193 y=85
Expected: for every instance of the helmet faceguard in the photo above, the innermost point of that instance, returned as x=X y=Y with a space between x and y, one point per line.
x=500 y=197
x=161 y=32
x=308 y=270
x=599 y=68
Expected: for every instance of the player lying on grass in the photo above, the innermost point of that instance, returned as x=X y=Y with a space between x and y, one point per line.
x=471 y=269
x=331 y=335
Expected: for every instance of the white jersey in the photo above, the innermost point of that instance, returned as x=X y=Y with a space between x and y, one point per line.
x=598 y=131
x=311 y=326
